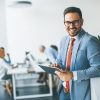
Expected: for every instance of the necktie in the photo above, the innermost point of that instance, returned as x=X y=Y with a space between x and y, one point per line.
x=68 y=61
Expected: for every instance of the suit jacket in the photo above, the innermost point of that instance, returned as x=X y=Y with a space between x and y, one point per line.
x=85 y=61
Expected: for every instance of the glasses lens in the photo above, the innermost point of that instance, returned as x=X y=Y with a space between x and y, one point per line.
x=75 y=23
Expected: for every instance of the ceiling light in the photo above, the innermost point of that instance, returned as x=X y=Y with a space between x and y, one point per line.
x=20 y=4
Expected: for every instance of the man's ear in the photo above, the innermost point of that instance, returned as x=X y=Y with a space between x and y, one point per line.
x=64 y=24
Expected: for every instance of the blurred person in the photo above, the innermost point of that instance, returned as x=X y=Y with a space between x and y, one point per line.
x=42 y=58
x=5 y=64
x=52 y=53
x=48 y=54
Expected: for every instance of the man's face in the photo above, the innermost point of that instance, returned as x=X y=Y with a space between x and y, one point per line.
x=2 y=54
x=73 y=23
x=41 y=49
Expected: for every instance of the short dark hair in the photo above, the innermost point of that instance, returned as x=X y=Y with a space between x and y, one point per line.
x=2 y=48
x=42 y=46
x=54 y=47
x=73 y=10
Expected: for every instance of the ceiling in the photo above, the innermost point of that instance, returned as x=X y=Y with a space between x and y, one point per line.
x=40 y=3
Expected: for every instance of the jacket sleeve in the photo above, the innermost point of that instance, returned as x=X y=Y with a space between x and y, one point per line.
x=93 y=56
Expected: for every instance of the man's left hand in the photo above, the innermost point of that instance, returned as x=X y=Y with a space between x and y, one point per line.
x=65 y=75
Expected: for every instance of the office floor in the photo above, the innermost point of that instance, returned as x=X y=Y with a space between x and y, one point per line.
x=23 y=91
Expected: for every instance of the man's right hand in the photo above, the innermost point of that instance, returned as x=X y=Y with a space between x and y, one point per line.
x=55 y=65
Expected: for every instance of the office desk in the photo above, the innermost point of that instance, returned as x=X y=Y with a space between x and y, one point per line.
x=95 y=88
x=21 y=70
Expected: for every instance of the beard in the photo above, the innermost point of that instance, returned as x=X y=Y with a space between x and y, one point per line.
x=73 y=32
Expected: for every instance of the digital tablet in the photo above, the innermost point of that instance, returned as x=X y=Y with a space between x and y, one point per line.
x=49 y=69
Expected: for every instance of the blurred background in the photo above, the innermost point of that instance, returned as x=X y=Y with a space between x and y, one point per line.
x=25 y=28
x=27 y=24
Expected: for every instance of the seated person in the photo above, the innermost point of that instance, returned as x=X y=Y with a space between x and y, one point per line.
x=49 y=55
x=45 y=56
x=5 y=64
x=27 y=59
x=52 y=53
x=42 y=59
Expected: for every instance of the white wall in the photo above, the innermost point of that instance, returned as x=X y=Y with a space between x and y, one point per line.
x=30 y=27
x=3 y=34
x=91 y=15
x=27 y=28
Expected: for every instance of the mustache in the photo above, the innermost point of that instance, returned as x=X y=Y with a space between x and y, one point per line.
x=73 y=28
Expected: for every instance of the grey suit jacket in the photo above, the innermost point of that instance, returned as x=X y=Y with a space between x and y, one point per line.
x=85 y=61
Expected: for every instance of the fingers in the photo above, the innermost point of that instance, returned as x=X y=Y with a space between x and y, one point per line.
x=60 y=75
x=54 y=65
x=57 y=73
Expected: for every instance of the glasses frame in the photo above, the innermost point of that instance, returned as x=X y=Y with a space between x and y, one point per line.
x=75 y=22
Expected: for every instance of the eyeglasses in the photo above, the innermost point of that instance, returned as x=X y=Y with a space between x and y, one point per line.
x=75 y=22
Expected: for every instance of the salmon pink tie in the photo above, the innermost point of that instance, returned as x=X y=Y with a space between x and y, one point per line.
x=68 y=61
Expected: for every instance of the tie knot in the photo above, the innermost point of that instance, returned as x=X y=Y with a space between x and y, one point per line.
x=72 y=40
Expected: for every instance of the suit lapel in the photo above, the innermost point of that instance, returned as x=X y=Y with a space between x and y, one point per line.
x=76 y=48
x=66 y=49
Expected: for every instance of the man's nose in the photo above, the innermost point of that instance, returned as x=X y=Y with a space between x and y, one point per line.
x=72 y=25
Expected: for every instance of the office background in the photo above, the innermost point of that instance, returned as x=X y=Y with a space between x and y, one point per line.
x=25 y=29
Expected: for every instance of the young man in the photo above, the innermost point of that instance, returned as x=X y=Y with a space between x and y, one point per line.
x=79 y=58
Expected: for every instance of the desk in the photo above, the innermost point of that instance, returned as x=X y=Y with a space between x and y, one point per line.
x=95 y=88
x=23 y=70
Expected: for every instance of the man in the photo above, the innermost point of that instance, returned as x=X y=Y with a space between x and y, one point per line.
x=5 y=63
x=82 y=63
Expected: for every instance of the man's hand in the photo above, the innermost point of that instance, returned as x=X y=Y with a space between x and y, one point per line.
x=55 y=65
x=65 y=75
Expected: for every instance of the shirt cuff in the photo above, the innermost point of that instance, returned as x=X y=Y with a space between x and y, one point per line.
x=64 y=84
x=75 y=75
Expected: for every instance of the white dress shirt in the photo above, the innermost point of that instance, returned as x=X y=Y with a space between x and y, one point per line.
x=3 y=68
